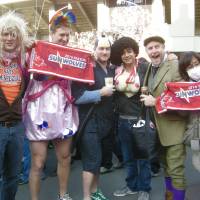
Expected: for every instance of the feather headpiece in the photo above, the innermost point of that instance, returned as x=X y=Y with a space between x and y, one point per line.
x=61 y=17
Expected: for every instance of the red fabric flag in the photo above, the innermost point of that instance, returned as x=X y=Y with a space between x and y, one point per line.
x=179 y=96
x=70 y=63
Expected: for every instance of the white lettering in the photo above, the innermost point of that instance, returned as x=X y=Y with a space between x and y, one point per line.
x=72 y=61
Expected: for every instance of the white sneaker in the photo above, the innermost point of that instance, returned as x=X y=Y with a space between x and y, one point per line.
x=142 y=195
x=65 y=197
x=123 y=192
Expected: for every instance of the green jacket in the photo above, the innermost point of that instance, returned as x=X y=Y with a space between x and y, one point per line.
x=170 y=125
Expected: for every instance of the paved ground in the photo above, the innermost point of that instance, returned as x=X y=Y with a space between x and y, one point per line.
x=110 y=182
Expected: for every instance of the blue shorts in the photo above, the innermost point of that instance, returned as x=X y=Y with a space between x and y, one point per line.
x=91 y=151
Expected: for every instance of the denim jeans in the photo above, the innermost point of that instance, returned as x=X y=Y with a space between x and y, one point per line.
x=138 y=171
x=11 y=150
x=26 y=160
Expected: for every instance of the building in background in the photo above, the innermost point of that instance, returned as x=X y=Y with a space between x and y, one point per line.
x=176 y=20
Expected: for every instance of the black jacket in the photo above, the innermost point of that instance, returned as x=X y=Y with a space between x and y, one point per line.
x=103 y=113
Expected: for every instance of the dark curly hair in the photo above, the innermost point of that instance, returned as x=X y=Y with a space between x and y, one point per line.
x=118 y=48
x=185 y=61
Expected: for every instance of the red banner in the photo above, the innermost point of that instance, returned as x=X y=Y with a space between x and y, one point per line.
x=70 y=63
x=179 y=96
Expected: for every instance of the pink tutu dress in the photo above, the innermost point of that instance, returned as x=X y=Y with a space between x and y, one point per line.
x=48 y=110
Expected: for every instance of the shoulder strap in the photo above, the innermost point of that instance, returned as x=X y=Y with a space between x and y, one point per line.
x=141 y=112
x=84 y=122
x=145 y=83
x=82 y=126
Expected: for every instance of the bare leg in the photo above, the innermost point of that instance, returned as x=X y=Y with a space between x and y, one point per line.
x=63 y=153
x=95 y=183
x=90 y=181
x=38 y=157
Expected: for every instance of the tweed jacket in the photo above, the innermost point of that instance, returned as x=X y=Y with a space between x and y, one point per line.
x=170 y=125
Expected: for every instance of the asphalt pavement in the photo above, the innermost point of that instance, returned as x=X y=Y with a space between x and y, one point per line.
x=108 y=183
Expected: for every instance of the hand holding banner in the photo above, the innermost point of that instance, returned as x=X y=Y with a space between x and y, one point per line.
x=65 y=62
x=179 y=96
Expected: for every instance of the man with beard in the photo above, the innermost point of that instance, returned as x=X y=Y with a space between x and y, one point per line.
x=13 y=37
x=171 y=125
x=100 y=121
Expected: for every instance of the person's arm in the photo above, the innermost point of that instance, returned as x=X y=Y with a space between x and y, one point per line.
x=89 y=97
x=83 y=96
x=95 y=95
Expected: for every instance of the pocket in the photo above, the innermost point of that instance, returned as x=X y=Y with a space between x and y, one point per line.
x=172 y=116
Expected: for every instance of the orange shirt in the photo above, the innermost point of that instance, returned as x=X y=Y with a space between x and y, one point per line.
x=10 y=81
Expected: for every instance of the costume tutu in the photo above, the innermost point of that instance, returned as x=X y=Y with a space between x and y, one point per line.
x=48 y=110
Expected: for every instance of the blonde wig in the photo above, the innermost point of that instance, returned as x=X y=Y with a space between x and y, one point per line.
x=14 y=23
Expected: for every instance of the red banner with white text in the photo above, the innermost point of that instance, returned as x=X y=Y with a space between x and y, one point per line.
x=179 y=96
x=70 y=63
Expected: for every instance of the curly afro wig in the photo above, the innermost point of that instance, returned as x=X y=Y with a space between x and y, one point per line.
x=118 y=48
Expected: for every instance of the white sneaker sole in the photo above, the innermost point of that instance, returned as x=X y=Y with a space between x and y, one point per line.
x=122 y=195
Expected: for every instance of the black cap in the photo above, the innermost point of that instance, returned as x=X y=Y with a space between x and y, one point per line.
x=154 y=39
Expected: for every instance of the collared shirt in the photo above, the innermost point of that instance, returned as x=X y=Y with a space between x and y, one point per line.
x=154 y=68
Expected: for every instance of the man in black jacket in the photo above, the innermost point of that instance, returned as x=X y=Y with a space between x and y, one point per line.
x=99 y=123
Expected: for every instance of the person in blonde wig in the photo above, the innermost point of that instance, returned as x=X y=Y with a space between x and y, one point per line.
x=13 y=38
x=14 y=24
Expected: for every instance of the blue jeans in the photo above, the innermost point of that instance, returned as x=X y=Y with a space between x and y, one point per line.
x=138 y=171
x=11 y=150
x=26 y=160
